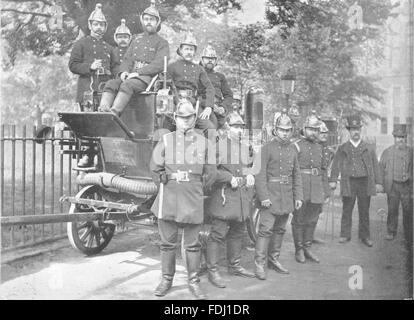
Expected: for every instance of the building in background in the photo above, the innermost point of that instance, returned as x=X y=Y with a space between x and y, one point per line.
x=396 y=78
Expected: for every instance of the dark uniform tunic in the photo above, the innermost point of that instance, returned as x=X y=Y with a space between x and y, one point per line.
x=229 y=207
x=280 y=181
x=311 y=158
x=313 y=171
x=223 y=95
x=359 y=171
x=187 y=75
x=84 y=52
x=180 y=203
x=121 y=52
x=396 y=171
x=145 y=55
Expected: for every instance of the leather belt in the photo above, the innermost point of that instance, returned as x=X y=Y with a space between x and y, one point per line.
x=184 y=176
x=281 y=179
x=312 y=171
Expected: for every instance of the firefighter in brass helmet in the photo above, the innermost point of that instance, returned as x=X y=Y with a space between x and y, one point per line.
x=93 y=59
x=223 y=97
x=313 y=170
x=294 y=114
x=142 y=61
x=192 y=82
x=279 y=190
x=181 y=177
x=122 y=37
x=229 y=203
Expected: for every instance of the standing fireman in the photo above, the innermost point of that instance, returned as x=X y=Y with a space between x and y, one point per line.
x=229 y=202
x=396 y=168
x=142 y=61
x=279 y=190
x=223 y=97
x=92 y=58
x=328 y=154
x=357 y=163
x=313 y=172
x=122 y=37
x=191 y=80
x=180 y=161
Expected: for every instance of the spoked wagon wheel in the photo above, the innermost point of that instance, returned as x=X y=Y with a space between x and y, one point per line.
x=90 y=237
x=253 y=222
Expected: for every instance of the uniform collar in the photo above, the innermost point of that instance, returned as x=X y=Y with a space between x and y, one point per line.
x=355 y=144
x=95 y=38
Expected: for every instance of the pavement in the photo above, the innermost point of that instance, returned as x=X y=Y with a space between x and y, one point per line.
x=129 y=269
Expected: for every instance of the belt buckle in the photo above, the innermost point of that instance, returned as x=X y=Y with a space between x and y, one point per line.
x=315 y=171
x=182 y=176
x=284 y=179
x=240 y=181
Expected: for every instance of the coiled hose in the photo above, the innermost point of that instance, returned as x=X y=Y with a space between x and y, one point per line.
x=110 y=180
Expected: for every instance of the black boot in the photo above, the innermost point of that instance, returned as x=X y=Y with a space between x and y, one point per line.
x=262 y=245
x=213 y=254
x=106 y=102
x=203 y=262
x=234 y=248
x=308 y=237
x=274 y=252
x=120 y=102
x=297 y=233
x=193 y=263
x=168 y=271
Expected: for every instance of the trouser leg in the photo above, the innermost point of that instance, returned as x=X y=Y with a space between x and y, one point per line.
x=346 y=219
x=109 y=93
x=192 y=248
x=216 y=238
x=234 y=249
x=393 y=202
x=407 y=207
x=126 y=90
x=363 y=210
x=298 y=227
x=311 y=220
x=168 y=231
x=279 y=229
x=267 y=221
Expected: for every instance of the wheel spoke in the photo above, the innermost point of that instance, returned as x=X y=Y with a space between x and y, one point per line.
x=104 y=234
x=86 y=234
x=82 y=225
x=98 y=238
x=90 y=241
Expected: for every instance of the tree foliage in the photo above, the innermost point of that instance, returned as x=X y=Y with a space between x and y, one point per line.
x=25 y=23
x=36 y=85
x=312 y=39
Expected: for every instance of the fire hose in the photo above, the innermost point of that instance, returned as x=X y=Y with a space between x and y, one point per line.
x=110 y=180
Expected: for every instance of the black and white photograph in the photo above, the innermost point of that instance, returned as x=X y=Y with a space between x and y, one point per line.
x=234 y=151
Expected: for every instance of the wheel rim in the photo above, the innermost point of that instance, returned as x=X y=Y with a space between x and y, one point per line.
x=89 y=237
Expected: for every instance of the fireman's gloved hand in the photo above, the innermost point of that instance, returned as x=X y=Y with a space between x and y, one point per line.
x=123 y=76
x=96 y=64
x=298 y=204
x=234 y=182
x=163 y=178
x=266 y=203
x=219 y=110
x=206 y=113
x=249 y=180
